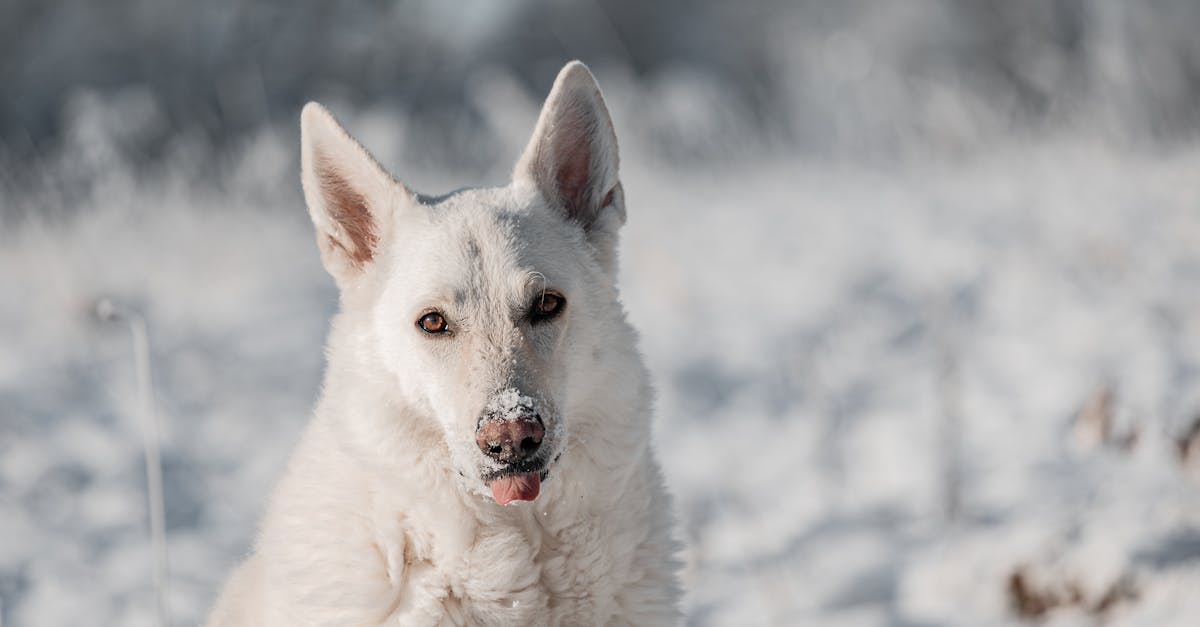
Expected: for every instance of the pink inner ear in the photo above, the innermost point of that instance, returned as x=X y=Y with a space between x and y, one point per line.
x=571 y=158
x=349 y=210
x=572 y=178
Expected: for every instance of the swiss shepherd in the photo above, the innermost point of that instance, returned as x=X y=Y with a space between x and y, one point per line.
x=481 y=453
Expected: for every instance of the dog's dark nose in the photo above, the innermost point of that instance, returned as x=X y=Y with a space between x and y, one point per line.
x=510 y=441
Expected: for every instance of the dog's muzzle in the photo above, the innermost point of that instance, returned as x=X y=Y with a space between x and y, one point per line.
x=513 y=439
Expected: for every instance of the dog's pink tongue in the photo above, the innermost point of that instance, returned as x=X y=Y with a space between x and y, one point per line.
x=516 y=488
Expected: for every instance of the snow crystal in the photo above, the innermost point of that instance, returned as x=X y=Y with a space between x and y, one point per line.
x=510 y=404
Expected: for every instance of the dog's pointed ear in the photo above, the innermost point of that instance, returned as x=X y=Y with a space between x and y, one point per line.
x=572 y=157
x=350 y=197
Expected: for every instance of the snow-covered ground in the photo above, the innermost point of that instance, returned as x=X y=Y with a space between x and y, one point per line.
x=931 y=392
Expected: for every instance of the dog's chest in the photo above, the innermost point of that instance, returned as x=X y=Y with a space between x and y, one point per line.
x=519 y=574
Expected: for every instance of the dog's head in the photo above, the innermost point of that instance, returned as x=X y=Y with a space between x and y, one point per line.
x=482 y=307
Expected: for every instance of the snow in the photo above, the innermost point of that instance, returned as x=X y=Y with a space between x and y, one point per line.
x=870 y=373
x=510 y=404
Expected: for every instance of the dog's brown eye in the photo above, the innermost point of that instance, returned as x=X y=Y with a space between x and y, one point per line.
x=433 y=322
x=548 y=305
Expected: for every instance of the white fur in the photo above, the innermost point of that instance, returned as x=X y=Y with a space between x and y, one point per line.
x=382 y=515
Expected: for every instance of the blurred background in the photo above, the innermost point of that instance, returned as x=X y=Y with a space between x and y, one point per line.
x=918 y=282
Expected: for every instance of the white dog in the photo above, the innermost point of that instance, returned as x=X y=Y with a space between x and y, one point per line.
x=481 y=452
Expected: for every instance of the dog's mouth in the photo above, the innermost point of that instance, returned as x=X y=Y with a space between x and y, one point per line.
x=518 y=482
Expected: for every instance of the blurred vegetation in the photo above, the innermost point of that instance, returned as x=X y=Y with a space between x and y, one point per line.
x=805 y=76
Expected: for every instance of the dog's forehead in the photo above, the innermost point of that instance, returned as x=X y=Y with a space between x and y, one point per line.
x=494 y=234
